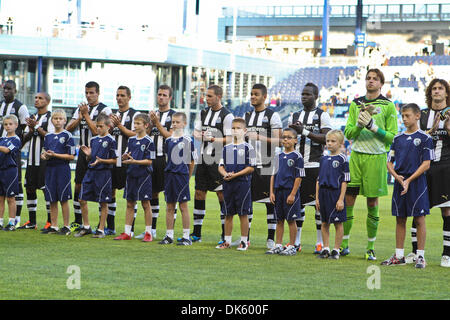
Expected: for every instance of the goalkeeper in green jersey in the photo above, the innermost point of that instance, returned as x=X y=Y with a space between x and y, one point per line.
x=372 y=125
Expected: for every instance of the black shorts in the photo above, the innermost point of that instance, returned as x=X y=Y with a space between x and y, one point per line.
x=119 y=177
x=81 y=167
x=207 y=177
x=158 y=164
x=35 y=176
x=308 y=187
x=260 y=186
x=438 y=186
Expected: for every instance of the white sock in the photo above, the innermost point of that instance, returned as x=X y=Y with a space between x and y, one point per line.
x=148 y=229
x=337 y=250
x=228 y=239
x=128 y=229
x=326 y=248
x=12 y=221
x=1 y=221
x=17 y=220
x=186 y=233
x=169 y=233
x=244 y=239
x=399 y=253
x=86 y=226
x=421 y=253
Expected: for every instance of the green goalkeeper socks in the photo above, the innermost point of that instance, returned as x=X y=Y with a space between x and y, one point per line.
x=373 y=218
x=347 y=226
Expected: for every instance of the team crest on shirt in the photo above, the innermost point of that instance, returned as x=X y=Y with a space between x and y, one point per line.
x=241 y=152
x=290 y=162
x=335 y=164
x=168 y=119
x=105 y=144
x=417 y=142
x=265 y=119
x=127 y=118
x=143 y=147
x=62 y=140
x=180 y=145
x=12 y=110
x=219 y=120
x=316 y=117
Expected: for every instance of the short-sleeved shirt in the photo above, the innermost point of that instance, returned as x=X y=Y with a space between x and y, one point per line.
x=333 y=171
x=180 y=153
x=37 y=141
x=409 y=151
x=441 y=138
x=288 y=167
x=8 y=160
x=140 y=149
x=94 y=111
x=18 y=109
x=237 y=157
x=165 y=118
x=104 y=148
x=127 y=120
x=61 y=143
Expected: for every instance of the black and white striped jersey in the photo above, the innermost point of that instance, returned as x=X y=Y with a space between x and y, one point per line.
x=18 y=109
x=85 y=132
x=313 y=121
x=263 y=122
x=127 y=120
x=441 y=139
x=165 y=118
x=36 y=142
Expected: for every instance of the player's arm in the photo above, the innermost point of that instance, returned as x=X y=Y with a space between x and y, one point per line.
x=274 y=139
x=125 y=131
x=62 y=156
x=317 y=195
x=319 y=137
x=291 y=197
x=222 y=171
x=164 y=132
x=75 y=121
x=91 y=124
x=244 y=172
x=386 y=136
x=5 y=149
x=272 y=190
x=352 y=130
x=340 y=202
x=106 y=161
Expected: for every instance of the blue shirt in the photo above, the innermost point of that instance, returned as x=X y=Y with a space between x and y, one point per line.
x=61 y=143
x=8 y=160
x=237 y=157
x=409 y=151
x=333 y=171
x=140 y=149
x=104 y=148
x=288 y=167
x=180 y=153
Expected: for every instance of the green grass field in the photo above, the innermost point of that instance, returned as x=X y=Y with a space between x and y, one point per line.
x=35 y=266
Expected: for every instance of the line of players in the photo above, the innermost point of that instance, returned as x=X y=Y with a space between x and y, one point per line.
x=212 y=128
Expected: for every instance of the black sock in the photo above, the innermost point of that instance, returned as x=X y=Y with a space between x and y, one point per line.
x=111 y=217
x=271 y=221
x=154 y=203
x=199 y=215
x=446 y=234
x=77 y=208
x=414 y=237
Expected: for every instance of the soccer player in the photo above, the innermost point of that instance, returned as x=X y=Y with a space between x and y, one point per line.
x=334 y=175
x=435 y=122
x=123 y=121
x=213 y=129
x=236 y=167
x=264 y=130
x=284 y=192
x=138 y=157
x=180 y=152
x=38 y=126
x=58 y=150
x=409 y=158
x=84 y=118
x=371 y=125
x=9 y=184
x=96 y=185
x=312 y=125
x=160 y=131
x=10 y=105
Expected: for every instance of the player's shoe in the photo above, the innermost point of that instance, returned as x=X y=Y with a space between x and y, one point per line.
x=298 y=247
x=140 y=236
x=50 y=230
x=370 y=255
x=154 y=233
x=275 y=250
x=194 y=238
x=344 y=251
x=324 y=254
x=420 y=262
x=334 y=255
x=270 y=243
x=166 y=240
x=74 y=227
x=1 y=226
x=47 y=225
x=318 y=248
x=289 y=251
x=110 y=232
x=445 y=261
x=242 y=246
x=184 y=242
x=10 y=227
x=123 y=236
x=83 y=232
x=224 y=245
x=28 y=226
x=394 y=261
x=411 y=258
x=98 y=234
x=64 y=231
x=147 y=237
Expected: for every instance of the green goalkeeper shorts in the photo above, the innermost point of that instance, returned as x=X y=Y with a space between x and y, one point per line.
x=369 y=173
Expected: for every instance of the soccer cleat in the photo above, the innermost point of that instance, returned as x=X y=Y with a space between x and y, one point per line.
x=344 y=251
x=324 y=254
x=224 y=245
x=242 y=246
x=445 y=261
x=334 y=255
x=83 y=232
x=110 y=232
x=270 y=244
x=194 y=238
x=147 y=237
x=411 y=258
x=370 y=255
x=64 y=231
x=184 y=242
x=47 y=225
x=10 y=227
x=74 y=227
x=98 y=234
x=394 y=261
x=420 y=262
x=318 y=248
x=50 y=230
x=123 y=236
x=153 y=233
x=1 y=227
x=28 y=225
x=166 y=240
x=298 y=247
x=140 y=236
x=275 y=250
x=289 y=251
